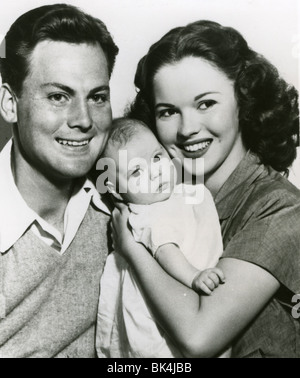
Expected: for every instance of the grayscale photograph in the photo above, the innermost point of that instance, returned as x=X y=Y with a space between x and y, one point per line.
x=149 y=181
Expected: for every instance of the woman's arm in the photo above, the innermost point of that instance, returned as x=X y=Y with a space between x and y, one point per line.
x=200 y=326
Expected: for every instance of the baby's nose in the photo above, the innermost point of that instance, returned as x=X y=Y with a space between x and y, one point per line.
x=155 y=170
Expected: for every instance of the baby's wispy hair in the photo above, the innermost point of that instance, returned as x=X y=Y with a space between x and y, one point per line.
x=122 y=131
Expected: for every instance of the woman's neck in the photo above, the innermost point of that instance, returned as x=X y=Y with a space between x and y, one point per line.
x=215 y=180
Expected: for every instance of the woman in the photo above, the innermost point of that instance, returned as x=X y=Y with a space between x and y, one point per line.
x=208 y=95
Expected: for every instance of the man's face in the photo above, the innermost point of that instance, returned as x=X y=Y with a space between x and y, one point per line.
x=64 y=110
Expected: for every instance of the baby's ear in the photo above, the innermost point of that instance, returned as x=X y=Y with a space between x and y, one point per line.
x=112 y=190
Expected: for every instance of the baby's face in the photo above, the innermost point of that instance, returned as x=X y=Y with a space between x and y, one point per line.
x=148 y=175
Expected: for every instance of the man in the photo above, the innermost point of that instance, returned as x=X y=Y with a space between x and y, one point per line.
x=53 y=234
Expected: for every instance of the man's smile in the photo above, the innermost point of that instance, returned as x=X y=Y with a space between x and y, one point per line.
x=73 y=143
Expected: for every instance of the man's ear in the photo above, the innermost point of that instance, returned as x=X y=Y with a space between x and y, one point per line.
x=8 y=104
x=111 y=189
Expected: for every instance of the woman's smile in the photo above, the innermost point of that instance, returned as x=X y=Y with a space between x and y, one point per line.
x=195 y=149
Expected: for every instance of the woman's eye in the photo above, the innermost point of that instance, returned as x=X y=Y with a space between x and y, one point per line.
x=167 y=113
x=204 y=105
x=58 y=98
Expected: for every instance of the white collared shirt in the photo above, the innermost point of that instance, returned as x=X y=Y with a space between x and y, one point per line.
x=16 y=217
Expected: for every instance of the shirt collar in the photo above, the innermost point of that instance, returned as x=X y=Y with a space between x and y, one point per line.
x=248 y=170
x=100 y=202
x=15 y=215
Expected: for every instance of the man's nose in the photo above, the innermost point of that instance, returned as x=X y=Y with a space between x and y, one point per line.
x=79 y=115
x=190 y=124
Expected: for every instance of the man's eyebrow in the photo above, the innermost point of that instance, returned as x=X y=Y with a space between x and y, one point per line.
x=101 y=88
x=60 y=86
x=72 y=91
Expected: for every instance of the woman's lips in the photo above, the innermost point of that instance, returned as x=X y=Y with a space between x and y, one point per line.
x=195 y=149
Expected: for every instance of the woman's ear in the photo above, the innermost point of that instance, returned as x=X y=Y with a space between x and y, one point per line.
x=112 y=190
x=8 y=104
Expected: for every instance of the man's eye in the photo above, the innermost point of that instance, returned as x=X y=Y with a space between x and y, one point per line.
x=157 y=158
x=58 y=98
x=204 y=105
x=100 y=98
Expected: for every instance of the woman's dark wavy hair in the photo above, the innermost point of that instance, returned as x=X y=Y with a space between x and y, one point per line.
x=268 y=107
x=58 y=22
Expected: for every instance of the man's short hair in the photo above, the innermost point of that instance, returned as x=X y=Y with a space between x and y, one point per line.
x=58 y=22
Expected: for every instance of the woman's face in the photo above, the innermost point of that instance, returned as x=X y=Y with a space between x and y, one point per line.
x=197 y=117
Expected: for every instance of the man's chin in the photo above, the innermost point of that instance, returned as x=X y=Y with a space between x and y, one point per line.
x=70 y=173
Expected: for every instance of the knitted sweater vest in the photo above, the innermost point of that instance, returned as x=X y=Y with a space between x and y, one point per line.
x=51 y=299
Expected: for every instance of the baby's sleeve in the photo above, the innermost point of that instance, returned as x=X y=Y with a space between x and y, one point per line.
x=156 y=225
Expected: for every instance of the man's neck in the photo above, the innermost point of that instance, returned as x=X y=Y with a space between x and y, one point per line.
x=47 y=197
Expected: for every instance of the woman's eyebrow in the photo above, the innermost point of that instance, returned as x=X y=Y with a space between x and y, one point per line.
x=165 y=105
x=204 y=94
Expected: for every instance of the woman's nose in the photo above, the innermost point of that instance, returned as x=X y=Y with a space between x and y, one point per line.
x=190 y=124
x=79 y=115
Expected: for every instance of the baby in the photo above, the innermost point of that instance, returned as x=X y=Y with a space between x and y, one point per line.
x=162 y=213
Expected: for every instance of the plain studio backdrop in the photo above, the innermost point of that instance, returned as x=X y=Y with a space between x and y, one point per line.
x=271 y=27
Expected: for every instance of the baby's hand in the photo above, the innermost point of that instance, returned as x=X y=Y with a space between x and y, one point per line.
x=208 y=280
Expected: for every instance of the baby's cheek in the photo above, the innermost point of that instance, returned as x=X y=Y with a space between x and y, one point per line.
x=134 y=184
x=143 y=184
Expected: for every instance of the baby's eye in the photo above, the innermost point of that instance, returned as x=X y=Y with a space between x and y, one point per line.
x=204 y=105
x=157 y=158
x=136 y=173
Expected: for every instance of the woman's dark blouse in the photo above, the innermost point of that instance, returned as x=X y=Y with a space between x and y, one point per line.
x=259 y=212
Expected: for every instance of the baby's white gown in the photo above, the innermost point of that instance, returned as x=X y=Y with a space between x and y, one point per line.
x=125 y=326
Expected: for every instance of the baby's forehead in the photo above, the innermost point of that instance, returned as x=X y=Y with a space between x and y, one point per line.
x=139 y=131
x=140 y=136
x=137 y=142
